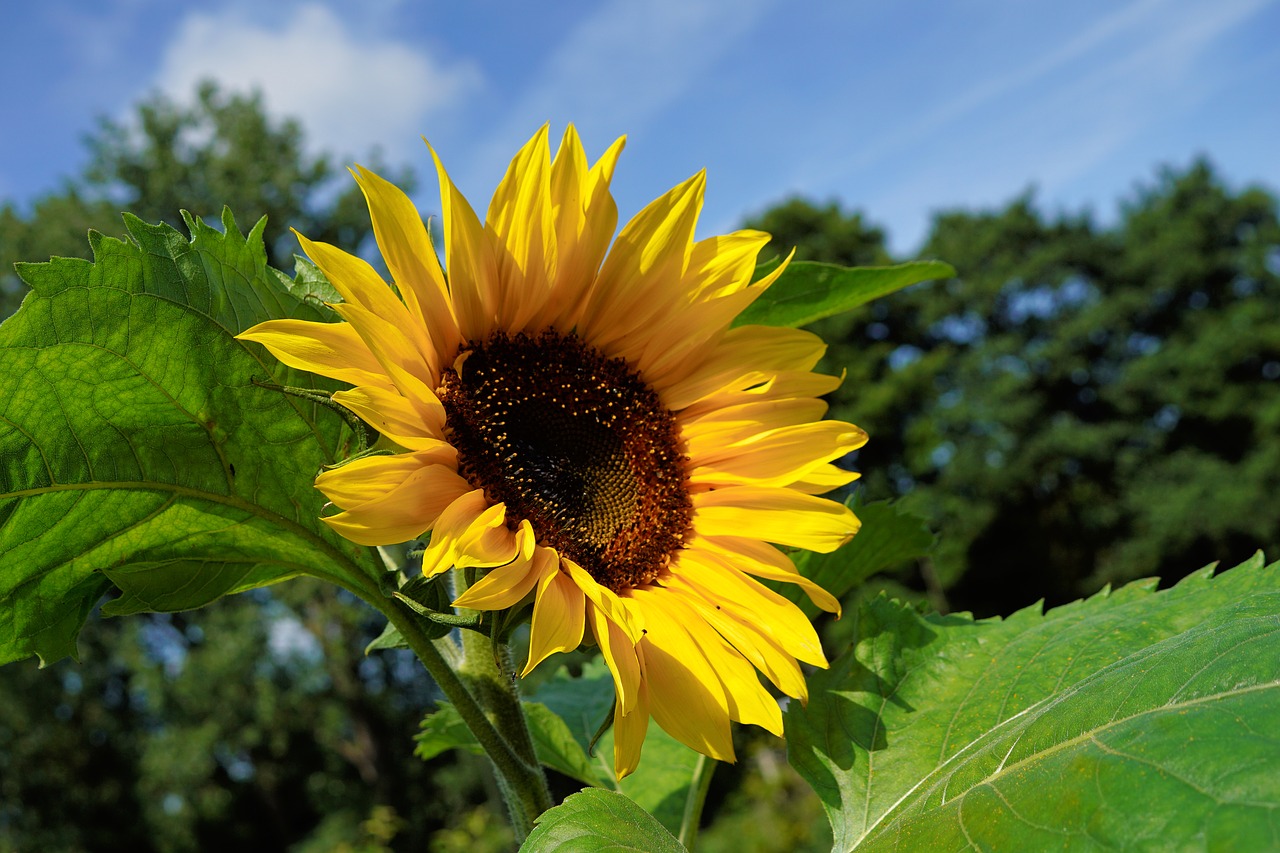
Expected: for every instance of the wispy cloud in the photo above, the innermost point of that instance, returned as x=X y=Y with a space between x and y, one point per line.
x=1051 y=121
x=351 y=92
x=620 y=67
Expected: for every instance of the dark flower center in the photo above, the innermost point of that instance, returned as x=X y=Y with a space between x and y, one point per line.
x=577 y=444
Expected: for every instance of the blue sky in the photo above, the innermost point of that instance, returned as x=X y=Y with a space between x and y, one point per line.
x=896 y=107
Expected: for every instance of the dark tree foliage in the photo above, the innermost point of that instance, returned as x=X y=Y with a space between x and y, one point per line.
x=1083 y=404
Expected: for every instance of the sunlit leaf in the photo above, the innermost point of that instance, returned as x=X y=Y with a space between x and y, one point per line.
x=808 y=291
x=135 y=447
x=1131 y=720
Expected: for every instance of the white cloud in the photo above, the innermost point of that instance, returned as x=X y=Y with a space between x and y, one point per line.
x=351 y=93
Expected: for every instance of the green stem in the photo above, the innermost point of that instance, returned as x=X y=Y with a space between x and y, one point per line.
x=487 y=670
x=695 y=799
x=522 y=781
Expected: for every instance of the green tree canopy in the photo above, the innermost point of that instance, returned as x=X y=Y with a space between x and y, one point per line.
x=1079 y=397
x=220 y=149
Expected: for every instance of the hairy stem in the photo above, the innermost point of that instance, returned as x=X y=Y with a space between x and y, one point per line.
x=504 y=739
x=487 y=670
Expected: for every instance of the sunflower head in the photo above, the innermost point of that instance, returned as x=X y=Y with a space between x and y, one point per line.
x=577 y=417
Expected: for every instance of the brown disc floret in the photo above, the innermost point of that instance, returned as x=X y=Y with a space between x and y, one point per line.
x=577 y=444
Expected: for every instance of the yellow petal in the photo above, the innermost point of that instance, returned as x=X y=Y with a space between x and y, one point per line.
x=686 y=697
x=410 y=425
x=746 y=356
x=754 y=644
x=735 y=423
x=401 y=359
x=752 y=641
x=523 y=234
x=724 y=264
x=586 y=216
x=407 y=249
x=629 y=730
x=558 y=616
x=474 y=287
x=329 y=349
x=823 y=479
x=774 y=458
x=765 y=561
x=617 y=610
x=405 y=512
x=469 y=532
x=358 y=282
x=507 y=585
x=748 y=701
x=372 y=477
x=705 y=574
x=641 y=276
x=619 y=651
x=665 y=352
x=777 y=515
x=780 y=386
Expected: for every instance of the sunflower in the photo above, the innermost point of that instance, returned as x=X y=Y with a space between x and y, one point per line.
x=583 y=421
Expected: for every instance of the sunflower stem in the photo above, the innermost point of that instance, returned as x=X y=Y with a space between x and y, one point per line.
x=488 y=671
x=695 y=800
x=521 y=780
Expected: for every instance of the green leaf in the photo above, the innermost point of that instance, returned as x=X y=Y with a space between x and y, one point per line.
x=594 y=820
x=390 y=638
x=808 y=291
x=135 y=449
x=1134 y=719
x=441 y=730
x=889 y=536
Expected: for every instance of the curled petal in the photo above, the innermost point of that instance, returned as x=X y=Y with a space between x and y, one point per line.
x=629 y=730
x=507 y=585
x=470 y=533
x=410 y=424
x=558 y=612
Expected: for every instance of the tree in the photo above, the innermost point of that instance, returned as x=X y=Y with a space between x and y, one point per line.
x=1081 y=405
x=222 y=149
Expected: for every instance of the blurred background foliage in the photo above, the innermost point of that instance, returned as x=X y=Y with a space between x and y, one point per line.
x=1083 y=405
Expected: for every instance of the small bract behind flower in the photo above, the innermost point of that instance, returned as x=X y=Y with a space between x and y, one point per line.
x=583 y=422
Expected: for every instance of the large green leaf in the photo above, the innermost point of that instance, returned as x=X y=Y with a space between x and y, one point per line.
x=595 y=820
x=135 y=448
x=808 y=291
x=1131 y=720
